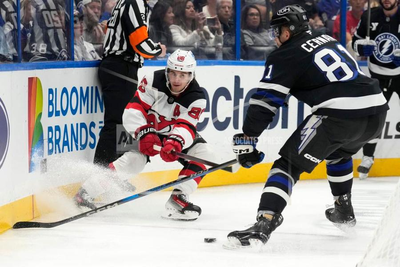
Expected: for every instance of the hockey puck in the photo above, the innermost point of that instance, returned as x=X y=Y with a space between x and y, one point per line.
x=210 y=239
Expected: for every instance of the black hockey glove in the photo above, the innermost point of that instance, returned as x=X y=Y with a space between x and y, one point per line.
x=245 y=150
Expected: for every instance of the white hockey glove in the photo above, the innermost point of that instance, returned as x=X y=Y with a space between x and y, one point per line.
x=245 y=150
x=364 y=47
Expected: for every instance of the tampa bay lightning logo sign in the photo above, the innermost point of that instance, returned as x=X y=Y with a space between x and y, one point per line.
x=386 y=43
x=4 y=133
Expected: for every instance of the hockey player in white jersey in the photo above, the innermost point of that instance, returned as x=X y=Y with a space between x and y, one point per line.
x=164 y=112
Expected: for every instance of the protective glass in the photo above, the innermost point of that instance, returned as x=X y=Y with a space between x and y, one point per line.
x=274 y=32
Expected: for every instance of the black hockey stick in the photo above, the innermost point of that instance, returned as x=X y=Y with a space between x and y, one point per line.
x=368 y=20
x=232 y=169
x=27 y=224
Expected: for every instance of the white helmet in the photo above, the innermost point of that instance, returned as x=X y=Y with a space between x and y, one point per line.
x=181 y=60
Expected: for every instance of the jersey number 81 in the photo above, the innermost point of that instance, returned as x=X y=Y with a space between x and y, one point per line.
x=334 y=64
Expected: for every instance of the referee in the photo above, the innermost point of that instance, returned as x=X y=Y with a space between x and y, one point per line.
x=126 y=44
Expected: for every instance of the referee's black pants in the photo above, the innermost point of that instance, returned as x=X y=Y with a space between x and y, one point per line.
x=117 y=92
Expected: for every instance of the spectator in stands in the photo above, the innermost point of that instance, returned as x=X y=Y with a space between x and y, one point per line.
x=315 y=21
x=328 y=10
x=225 y=16
x=210 y=10
x=4 y=54
x=26 y=27
x=92 y=29
x=161 y=18
x=108 y=6
x=83 y=51
x=353 y=16
x=44 y=33
x=262 y=6
x=198 y=5
x=189 y=28
x=258 y=43
x=8 y=31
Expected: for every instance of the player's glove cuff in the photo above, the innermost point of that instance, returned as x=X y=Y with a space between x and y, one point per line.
x=364 y=47
x=144 y=130
x=245 y=149
x=147 y=137
x=242 y=144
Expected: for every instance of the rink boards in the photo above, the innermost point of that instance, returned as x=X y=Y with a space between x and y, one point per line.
x=51 y=118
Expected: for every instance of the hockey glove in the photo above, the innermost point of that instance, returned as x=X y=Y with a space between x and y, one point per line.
x=364 y=47
x=147 y=137
x=245 y=150
x=396 y=57
x=171 y=143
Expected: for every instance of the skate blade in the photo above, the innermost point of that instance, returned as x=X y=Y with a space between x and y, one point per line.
x=363 y=176
x=232 y=243
x=175 y=215
x=256 y=244
x=347 y=228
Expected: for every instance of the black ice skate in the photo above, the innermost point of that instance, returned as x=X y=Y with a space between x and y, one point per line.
x=82 y=199
x=257 y=235
x=178 y=207
x=342 y=215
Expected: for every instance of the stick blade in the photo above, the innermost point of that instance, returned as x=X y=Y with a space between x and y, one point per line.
x=21 y=225
x=235 y=167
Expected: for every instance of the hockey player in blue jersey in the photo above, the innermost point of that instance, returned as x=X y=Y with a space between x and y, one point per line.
x=348 y=109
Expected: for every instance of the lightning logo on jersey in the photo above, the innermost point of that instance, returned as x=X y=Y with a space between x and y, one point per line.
x=309 y=131
x=386 y=44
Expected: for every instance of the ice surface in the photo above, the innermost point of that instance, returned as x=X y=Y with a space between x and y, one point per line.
x=134 y=234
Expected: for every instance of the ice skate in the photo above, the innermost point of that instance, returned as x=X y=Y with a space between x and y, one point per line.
x=365 y=166
x=125 y=186
x=82 y=199
x=178 y=207
x=255 y=236
x=342 y=215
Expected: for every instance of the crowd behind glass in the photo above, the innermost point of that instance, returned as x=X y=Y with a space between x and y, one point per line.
x=42 y=29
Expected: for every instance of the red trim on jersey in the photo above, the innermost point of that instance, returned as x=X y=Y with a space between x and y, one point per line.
x=144 y=104
x=185 y=126
x=184 y=121
x=138 y=107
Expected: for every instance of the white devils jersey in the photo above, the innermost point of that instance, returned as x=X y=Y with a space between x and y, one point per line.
x=153 y=104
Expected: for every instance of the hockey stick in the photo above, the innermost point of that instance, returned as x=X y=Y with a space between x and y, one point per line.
x=27 y=224
x=368 y=20
x=232 y=169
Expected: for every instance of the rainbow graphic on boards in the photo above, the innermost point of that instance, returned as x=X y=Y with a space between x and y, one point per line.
x=35 y=129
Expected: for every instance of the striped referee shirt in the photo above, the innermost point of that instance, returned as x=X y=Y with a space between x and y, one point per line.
x=127 y=32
